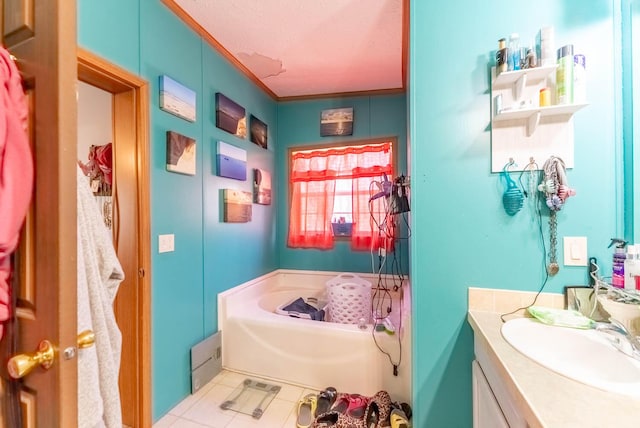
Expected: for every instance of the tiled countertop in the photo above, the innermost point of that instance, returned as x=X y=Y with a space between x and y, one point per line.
x=544 y=398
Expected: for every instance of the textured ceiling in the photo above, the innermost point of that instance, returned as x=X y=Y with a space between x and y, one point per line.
x=299 y=48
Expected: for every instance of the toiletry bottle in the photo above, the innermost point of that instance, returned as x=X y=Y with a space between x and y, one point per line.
x=619 y=257
x=531 y=60
x=501 y=56
x=547 y=46
x=631 y=267
x=579 y=79
x=564 y=75
x=514 y=52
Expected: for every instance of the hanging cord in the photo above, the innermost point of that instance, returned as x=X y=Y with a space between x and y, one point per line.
x=382 y=299
x=532 y=167
x=385 y=304
x=544 y=261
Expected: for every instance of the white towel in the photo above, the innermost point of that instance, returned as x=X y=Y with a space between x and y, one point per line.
x=99 y=275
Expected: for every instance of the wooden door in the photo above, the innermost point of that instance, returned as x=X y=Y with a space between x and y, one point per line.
x=41 y=34
x=131 y=229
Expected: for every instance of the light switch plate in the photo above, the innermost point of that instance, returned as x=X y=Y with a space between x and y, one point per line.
x=575 y=251
x=165 y=243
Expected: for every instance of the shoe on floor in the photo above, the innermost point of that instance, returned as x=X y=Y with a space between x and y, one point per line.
x=352 y=404
x=378 y=410
x=326 y=398
x=306 y=411
x=333 y=419
x=398 y=419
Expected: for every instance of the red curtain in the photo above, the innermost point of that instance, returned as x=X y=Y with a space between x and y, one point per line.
x=313 y=175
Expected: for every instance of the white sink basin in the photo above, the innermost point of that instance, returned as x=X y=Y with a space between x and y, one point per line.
x=582 y=355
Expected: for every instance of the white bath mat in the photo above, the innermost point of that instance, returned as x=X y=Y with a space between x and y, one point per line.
x=251 y=397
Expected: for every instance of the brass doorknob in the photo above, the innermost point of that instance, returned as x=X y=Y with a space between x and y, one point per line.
x=20 y=365
x=86 y=339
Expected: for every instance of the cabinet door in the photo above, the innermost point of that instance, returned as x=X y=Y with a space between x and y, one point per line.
x=486 y=411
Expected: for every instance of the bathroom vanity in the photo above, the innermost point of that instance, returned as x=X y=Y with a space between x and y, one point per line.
x=511 y=390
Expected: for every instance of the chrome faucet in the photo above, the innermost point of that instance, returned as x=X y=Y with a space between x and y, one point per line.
x=620 y=338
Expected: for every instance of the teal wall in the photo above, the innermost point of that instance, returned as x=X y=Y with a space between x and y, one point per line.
x=111 y=30
x=461 y=235
x=210 y=256
x=299 y=125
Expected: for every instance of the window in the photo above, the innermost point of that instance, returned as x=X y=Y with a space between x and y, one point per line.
x=334 y=187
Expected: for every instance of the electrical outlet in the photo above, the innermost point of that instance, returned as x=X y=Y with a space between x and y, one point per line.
x=575 y=251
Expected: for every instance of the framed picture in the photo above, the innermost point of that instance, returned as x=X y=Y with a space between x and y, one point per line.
x=261 y=187
x=181 y=153
x=237 y=206
x=258 y=132
x=230 y=116
x=177 y=99
x=337 y=121
x=231 y=162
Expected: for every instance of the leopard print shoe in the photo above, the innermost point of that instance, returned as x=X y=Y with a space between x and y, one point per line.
x=335 y=419
x=378 y=410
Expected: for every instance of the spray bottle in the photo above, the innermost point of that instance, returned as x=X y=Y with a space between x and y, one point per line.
x=632 y=267
x=619 y=257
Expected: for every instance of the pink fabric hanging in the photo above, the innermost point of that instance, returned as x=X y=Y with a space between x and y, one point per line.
x=16 y=172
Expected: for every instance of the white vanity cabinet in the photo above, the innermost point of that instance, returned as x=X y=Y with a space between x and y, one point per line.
x=493 y=405
x=486 y=410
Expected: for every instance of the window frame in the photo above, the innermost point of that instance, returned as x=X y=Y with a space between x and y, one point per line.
x=330 y=145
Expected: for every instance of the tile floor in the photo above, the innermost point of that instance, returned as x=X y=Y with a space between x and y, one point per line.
x=202 y=409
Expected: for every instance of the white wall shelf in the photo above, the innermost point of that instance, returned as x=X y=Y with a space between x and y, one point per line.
x=533 y=75
x=525 y=113
x=530 y=132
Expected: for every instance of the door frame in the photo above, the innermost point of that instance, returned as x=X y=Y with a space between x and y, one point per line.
x=131 y=128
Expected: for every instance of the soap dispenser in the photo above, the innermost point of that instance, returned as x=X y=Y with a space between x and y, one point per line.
x=619 y=257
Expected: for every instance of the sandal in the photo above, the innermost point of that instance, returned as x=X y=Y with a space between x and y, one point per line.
x=351 y=404
x=378 y=410
x=306 y=411
x=398 y=419
x=334 y=419
x=326 y=399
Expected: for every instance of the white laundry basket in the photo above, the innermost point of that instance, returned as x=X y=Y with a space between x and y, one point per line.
x=349 y=299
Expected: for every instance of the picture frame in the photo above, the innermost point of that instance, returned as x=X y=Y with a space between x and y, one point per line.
x=258 y=132
x=181 y=153
x=231 y=162
x=261 y=186
x=230 y=116
x=177 y=99
x=236 y=206
x=336 y=122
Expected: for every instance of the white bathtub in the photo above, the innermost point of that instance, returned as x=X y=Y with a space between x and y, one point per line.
x=313 y=354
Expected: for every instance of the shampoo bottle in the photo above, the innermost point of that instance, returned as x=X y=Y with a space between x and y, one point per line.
x=619 y=257
x=564 y=75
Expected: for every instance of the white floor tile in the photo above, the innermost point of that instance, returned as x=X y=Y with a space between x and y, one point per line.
x=290 y=393
x=207 y=410
x=291 y=420
x=185 y=404
x=165 y=421
x=184 y=423
x=203 y=408
x=233 y=379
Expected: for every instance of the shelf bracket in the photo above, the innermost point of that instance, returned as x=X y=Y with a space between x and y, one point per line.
x=532 y=123
x=518 y=86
